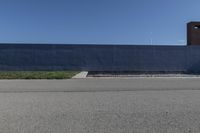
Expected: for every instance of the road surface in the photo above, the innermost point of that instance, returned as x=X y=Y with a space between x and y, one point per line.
x=148 y=105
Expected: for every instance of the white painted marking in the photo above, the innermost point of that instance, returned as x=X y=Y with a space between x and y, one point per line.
x=81 y=75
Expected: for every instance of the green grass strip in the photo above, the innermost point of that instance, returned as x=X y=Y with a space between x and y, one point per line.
x=37 y=74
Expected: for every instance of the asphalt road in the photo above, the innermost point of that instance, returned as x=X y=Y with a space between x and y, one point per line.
x=148 y=105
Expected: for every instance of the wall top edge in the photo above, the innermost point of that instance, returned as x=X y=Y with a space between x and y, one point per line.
x=53 y=44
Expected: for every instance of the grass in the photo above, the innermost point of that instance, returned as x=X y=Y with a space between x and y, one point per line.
x=37 y=74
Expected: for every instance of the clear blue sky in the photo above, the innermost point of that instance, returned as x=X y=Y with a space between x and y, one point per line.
x=96 y=21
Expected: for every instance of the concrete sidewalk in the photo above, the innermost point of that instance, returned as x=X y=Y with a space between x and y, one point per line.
x=100 y=84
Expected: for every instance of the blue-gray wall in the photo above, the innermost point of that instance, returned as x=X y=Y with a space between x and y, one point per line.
x=99 y=57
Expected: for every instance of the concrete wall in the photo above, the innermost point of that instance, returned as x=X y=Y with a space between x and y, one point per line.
x=99 y=57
